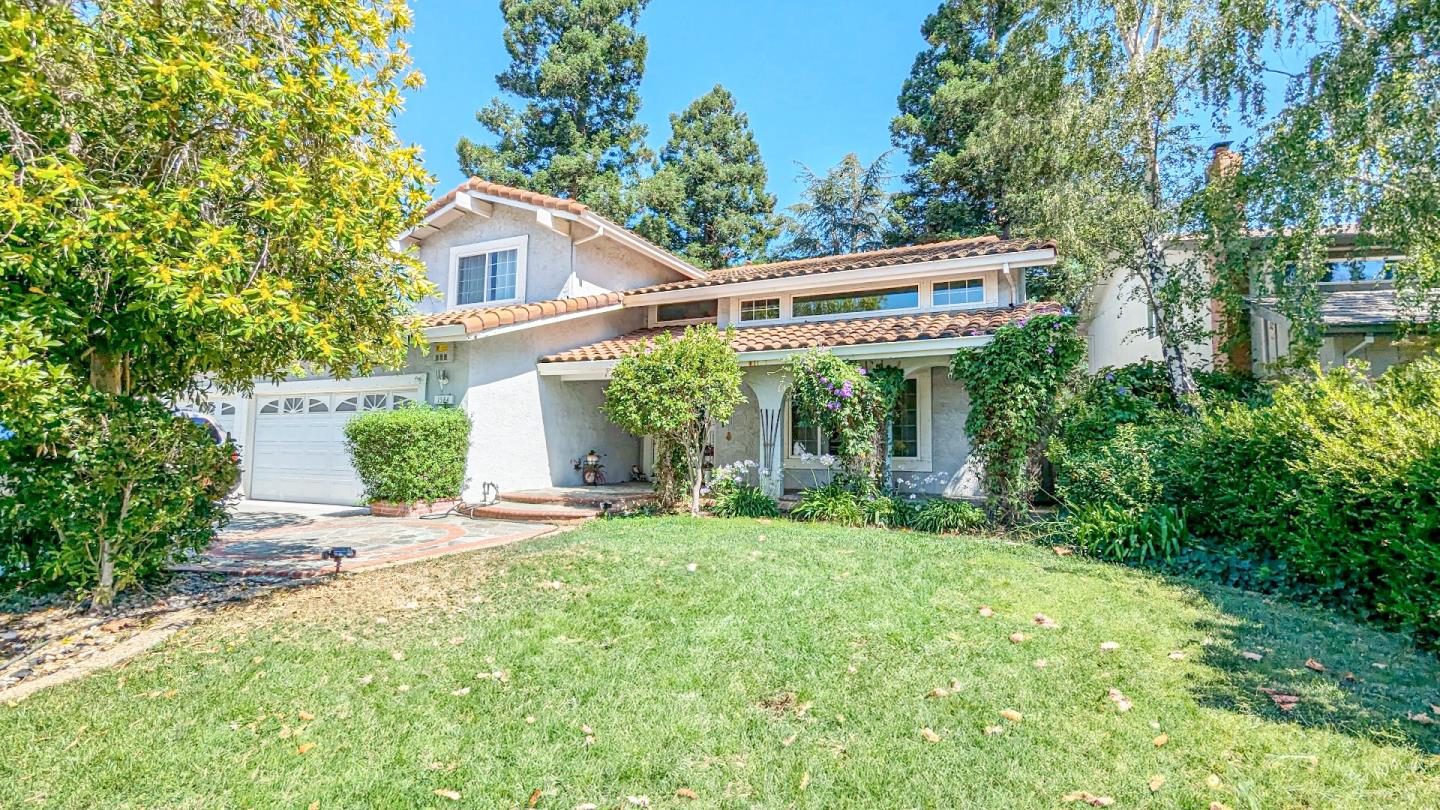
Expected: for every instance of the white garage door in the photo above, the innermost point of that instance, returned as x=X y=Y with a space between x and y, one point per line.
x=299 y=452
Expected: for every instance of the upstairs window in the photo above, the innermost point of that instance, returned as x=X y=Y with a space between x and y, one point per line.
x=686 y=311
x=858 y=301
x=488 y=272
x=956 y=293
x=762 y=309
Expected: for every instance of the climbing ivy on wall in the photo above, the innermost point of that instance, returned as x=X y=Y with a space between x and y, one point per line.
x=850 y=404
x=1016 y=385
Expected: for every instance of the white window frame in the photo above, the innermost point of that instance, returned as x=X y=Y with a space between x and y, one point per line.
x=520 y=244
x=990 y=299
x=924 y=416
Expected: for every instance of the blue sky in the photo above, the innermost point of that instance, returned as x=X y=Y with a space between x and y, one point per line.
x=818 y=79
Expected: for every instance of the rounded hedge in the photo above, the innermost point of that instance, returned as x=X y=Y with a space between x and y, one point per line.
x=412 y=454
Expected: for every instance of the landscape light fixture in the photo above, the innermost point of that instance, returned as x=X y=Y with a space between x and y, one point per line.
x=337 y=554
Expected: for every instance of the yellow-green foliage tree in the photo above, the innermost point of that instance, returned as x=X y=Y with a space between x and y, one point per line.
x=194 y=189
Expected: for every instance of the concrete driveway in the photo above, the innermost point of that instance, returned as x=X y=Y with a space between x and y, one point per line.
x=275 y=538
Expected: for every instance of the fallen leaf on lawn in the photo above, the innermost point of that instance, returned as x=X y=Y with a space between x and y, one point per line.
x=1045 y=621
x=639 y=801
x=1421 y=718
x=1088 y=798
x=929 y=735
x=315 y=805
x=445 y=793
x=692 y=568
x=1213 y=781
x=1379 y=665
x=804 y=780
x=587 y=806
x=306 y=716
x=365 y=681
x=1041 y=663
x=285 y=732
x=994 y=729
x=937 y=692
x=457 y=640
x=398 y=655
x=1118 y=698
x=1061 y=551
x=305 y=748
x=687 y=793
x=1016 y=638
x=1251 y=656
x=404 y=687
x=1284 y=701
x=1177 y=656
x=461 y=692
x=789 y=741
x=1161 y=740
x=1109 y=645
x=1435 y=708
x=986 y=612
x=534 y=798
x=1311 y=663
x=530 y=719
x=1012 y=715
x=1219 y=806
x=1156 y=782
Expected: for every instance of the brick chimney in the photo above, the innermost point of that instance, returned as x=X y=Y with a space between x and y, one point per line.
x=1226 y=162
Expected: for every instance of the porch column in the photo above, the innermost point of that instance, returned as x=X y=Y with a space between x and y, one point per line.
x=769 y=387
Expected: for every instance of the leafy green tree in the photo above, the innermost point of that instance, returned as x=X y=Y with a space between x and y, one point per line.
x=845 y=210
x=1125 y=160
x=1356 y=146
x=707 y=200
x=972 y=118
x=197 y=190
x=576 y=65
x=673 y=390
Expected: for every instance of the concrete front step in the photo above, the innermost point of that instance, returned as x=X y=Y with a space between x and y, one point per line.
x=618 y=496
x=530 y=512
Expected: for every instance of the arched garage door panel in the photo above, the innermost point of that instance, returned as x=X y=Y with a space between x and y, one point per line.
x=299 y=445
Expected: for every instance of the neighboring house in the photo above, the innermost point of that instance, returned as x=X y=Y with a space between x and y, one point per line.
x=542 y=297
x=1361 y=317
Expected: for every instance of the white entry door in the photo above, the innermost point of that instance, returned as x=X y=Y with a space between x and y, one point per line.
x=299 y=444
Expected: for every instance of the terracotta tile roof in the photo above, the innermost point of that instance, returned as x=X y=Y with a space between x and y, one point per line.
x=856 y=332
x=507 y=192
x=935 y=251
x=479 y=319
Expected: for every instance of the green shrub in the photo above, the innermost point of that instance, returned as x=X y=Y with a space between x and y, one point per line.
x=830 y=503
x=411 y=454
x=945 y=516
x=744 y=500
x=888 y=511
x=131 y=491
x=1151 y=536
x=1117 y=472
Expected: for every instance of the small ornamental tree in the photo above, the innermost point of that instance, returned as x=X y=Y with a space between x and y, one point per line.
x=671 y=390
x=1015 y=384
x=850 y=404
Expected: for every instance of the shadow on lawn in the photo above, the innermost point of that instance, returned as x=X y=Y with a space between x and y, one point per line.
x=1372 y=683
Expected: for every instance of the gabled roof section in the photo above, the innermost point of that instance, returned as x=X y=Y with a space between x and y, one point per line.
x=831 y=334
x=475 y=196
x=1378 y=308
x=888 y=257
x=483 y=319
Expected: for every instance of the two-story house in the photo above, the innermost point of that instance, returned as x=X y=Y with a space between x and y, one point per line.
x=541 y=297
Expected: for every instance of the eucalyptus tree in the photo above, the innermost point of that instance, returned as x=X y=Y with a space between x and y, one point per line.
x=844 y=210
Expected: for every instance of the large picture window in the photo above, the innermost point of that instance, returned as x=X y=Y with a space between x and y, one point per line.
x=686 y=311
x=856 y=301
x=907 y=432
x=489 y=272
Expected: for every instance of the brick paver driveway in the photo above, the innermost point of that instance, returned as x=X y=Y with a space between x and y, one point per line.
x=271 y=538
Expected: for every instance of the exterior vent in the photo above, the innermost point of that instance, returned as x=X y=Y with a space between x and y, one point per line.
x=440 y=352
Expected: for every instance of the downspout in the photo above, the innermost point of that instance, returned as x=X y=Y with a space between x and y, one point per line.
x=1366 y=343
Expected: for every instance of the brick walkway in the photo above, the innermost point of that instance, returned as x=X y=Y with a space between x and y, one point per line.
x=278 y=540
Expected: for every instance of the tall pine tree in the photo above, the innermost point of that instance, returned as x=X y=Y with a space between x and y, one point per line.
x=844 y=210
x=576 y=65
x=981 y=82
x=707 y=199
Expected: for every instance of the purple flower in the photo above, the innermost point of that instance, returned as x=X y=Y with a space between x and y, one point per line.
x=1020 y=323
x=1049 y=349
x=1122 y=391
x=1109 y=378
x=863 y=372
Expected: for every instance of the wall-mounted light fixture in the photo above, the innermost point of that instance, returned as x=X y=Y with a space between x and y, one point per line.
x=443 y=377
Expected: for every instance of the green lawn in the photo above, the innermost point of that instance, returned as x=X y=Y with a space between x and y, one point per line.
x=792 y=667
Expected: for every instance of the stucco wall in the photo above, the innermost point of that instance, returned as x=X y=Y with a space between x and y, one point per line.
x=527 y=427
x=1116 y=325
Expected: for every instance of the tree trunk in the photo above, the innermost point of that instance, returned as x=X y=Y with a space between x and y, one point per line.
x=107 y=371
x=107 y=375
x=104 y=594
x=1177 y=368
